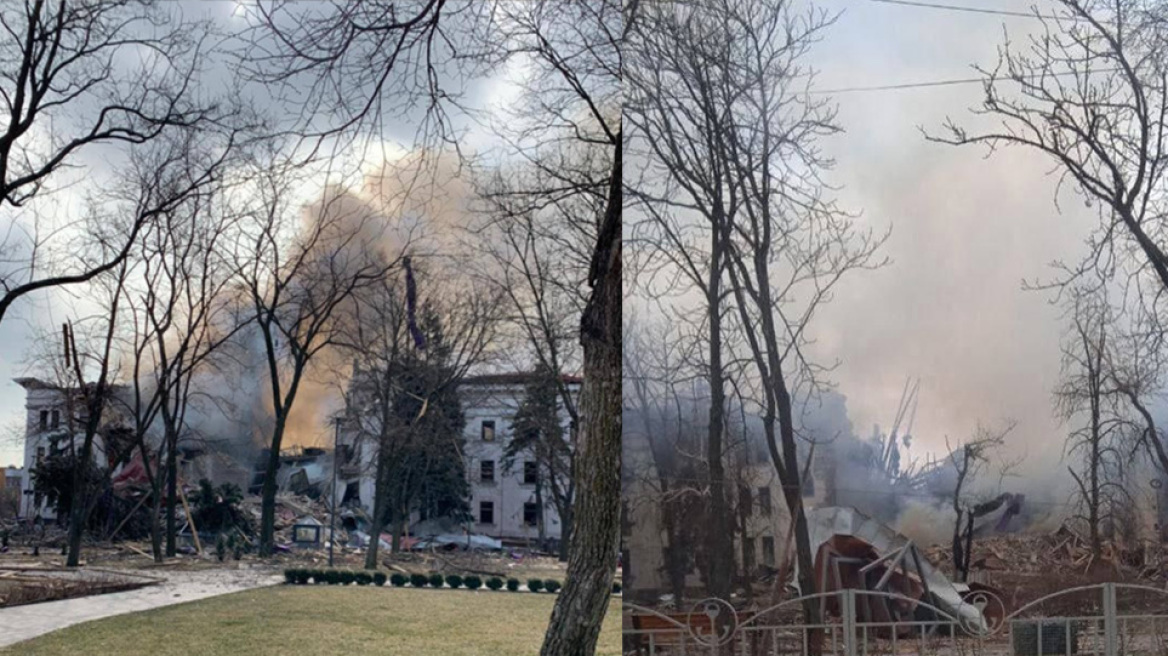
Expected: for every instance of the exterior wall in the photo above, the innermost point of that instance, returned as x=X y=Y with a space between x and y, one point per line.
x=482 y=402
x=508 y=492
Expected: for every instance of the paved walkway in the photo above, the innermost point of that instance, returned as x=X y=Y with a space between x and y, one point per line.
x=24 y=622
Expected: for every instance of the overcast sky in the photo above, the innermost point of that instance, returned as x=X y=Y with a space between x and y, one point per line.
x=50 y=309
x=966 y=231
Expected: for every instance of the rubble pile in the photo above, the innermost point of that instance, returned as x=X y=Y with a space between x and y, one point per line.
x=1064 y=551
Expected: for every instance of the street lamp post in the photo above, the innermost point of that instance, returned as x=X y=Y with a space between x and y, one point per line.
x=333 y=492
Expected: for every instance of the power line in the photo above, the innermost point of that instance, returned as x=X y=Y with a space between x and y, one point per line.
x=977 y=10
x=944 y=83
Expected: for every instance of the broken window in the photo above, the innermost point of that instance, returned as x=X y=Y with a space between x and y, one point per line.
x=768 y=550
x=488 y=430
x=40 y=454
x=486 y=512
x=487 y=471
x=531 y=514
x=530 y=473
x=44 y=419
x=764 y=500
x=56 y=419
x=748 y=556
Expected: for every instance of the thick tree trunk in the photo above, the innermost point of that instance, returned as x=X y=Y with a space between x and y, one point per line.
x=581 y=606
x=377 y=522
x=268 y=492
x=719 y=541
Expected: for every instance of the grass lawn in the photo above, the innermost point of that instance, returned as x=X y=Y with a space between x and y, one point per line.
x=306 y=620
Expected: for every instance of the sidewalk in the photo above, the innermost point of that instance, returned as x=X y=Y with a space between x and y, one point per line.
x=21 y=623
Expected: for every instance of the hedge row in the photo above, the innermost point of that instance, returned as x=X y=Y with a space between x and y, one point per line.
x=398 y=580
x=333 y=577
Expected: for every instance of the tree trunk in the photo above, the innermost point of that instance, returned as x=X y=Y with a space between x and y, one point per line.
x=268 y=501
x=376 y=523
x=566 y=522
x=155 y=524
x=719 y=540
x=581 y=606
x=171 y=492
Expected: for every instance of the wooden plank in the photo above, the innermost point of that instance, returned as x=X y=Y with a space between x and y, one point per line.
x=190 y=519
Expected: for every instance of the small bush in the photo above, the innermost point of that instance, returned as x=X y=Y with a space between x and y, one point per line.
x=348 y=577
x=495 y=583
x=473 y=582
x=302 y=576
x=535 y=585
x=419 y=580
x=320 y=576
x=552 y=585
x=616 y=587
x=513 y=585
x=364 y=578
x=291 y=576
x=398 y=580
x=454 y=580
x=379 y=578
x=333 y=577
x=435 y=580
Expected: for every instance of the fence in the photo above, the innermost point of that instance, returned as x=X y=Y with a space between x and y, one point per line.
x=1107 y=619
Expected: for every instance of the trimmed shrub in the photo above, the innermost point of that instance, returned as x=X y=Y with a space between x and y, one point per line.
x=535 y=585
x=348 y=576
x=291 y=576
x=419 y=580
x=454 y=580
x=379 y=578
x=364 y=578
x=398 y=580
x=435 y=580
x=473 y=582
x=513 y=585
x=552 y=585
x=495 y=583
x=332 y=577
x=616 y=587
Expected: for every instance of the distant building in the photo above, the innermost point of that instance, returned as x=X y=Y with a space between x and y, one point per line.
x=502 y=499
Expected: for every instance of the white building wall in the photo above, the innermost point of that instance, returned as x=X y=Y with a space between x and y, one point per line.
x=507 y=493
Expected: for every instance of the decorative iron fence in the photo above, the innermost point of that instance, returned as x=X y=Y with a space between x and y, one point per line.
x=1107 y=619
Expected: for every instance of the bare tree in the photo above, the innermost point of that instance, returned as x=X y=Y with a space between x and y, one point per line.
x=378 y=52
x=1088 y=396
x=181 y=308
x=297 y=281
x=720 y=102
x=1089 y=91
x=66 y=87
x=390 y=401
x=969 y=460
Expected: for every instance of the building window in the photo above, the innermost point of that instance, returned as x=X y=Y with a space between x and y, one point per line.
x=40 y=454
x=764 y=500
x=44 y=419
x=748 y=556
x=487 y=471
x=486 y=512
x=744 y=498
x=56 y=419
x=531 y=514
x=768 y=550
x=530 y=473
x=488 y=430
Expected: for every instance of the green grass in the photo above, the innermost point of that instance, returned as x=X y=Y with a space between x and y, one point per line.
x=307 y=620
